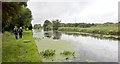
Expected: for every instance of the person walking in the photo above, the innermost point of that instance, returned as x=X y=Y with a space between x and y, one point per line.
x=20 y=32
x=16 y=32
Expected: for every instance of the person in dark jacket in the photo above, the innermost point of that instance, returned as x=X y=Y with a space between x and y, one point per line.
x=20 y=32
x=16 y=32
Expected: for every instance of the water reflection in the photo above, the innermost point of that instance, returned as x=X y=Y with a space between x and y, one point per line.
x=52 y=34
x=76 y=34
x=92 y=35
x=56 y=35
x=48 y=34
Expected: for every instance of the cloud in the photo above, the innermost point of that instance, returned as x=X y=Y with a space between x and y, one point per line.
x=60 y=0
x=89 y=11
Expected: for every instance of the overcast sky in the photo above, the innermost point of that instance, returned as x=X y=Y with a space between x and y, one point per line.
x=70 y=11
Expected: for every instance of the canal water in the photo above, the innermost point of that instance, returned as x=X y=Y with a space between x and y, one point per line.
x=89 y=48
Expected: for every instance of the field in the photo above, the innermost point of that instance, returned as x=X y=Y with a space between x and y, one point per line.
x=105 y=29
x=17 y=50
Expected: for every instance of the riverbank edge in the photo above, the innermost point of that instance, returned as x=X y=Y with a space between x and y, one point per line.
x=115 y=37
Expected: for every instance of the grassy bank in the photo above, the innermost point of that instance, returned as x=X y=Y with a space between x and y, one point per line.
x=57 y=45
x=17 y=51
x=107 y=29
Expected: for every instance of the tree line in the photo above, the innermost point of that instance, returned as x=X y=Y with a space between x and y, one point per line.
x=55 y=24
x=81 y=25
x=15 y=14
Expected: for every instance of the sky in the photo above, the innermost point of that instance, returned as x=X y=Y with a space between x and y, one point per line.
x=74 y=11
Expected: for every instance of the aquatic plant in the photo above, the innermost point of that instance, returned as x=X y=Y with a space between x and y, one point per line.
x=66 y=53
x=48 y=53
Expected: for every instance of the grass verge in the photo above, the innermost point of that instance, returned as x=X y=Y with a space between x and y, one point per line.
x=17 y=51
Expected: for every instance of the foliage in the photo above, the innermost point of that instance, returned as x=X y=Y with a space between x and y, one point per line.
x=47 y=53
x=47 y=25
x=56 y=24
x=15 y=13
x=30 y=27
x=0 y=17
x=82 y=25
x=37 y=26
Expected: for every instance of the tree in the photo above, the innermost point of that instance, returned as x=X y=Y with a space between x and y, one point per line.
x=37 y=26
x=15 y=13
x=30 y=27
x=56 y=24
x=47 y=25
x=0 y=16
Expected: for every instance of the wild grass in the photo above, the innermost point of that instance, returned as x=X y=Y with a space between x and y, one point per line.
x=17 y=51
x=107 y=29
